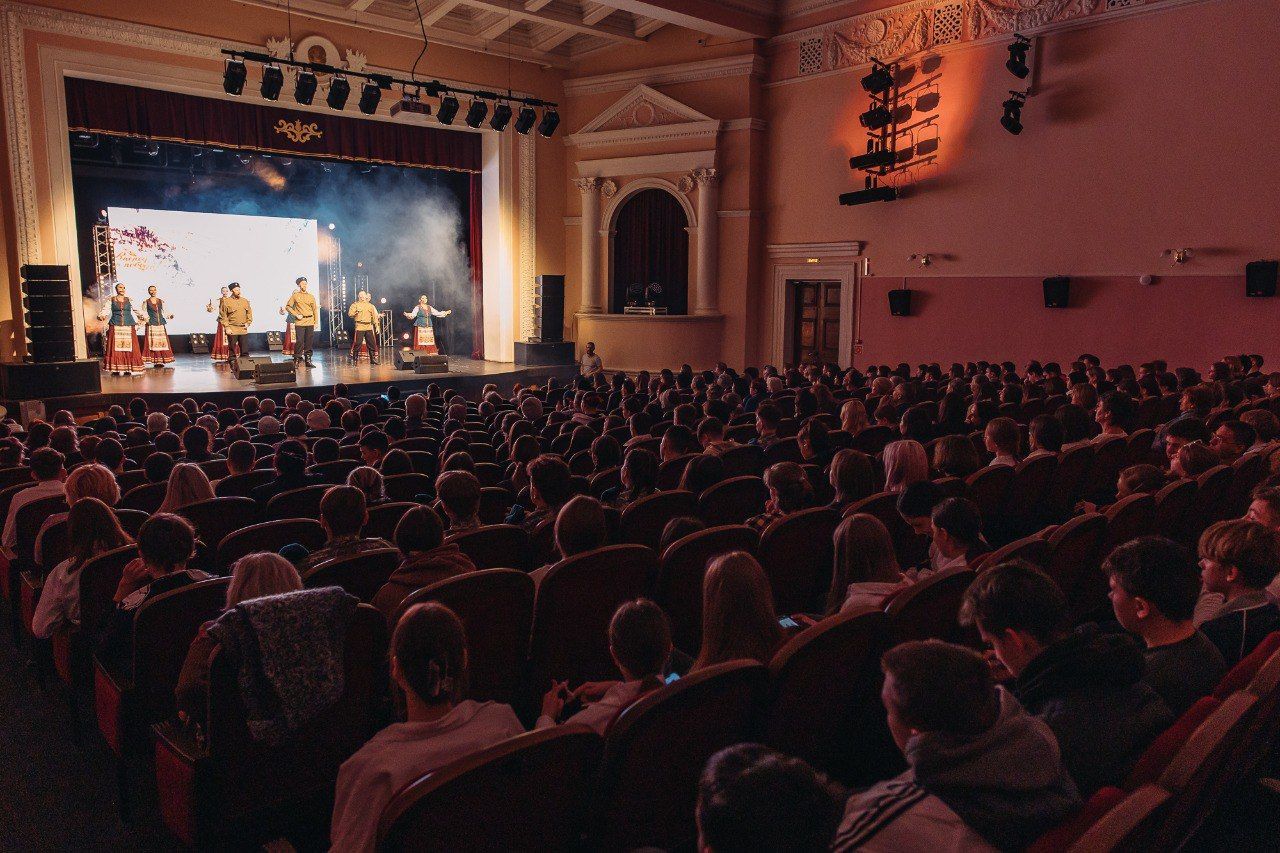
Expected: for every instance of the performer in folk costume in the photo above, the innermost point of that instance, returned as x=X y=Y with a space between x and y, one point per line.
x=368 y=321
x=424 y=337
x=122 y=353
x=302 y=312
x=156 y=348
x=236 y=315
x=218 y=349
x=289 y=320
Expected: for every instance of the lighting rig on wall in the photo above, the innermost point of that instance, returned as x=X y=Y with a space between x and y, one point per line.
x=1019 y=66
x=524 y=109
x=880 y=122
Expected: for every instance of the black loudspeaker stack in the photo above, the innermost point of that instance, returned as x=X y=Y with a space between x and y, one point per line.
x=245 y=367
x=268 y=372
x=47 y=317
x=418 y=362
x=548 y=310
x=900 y=302
x=1260 y=278
x=1057 y=292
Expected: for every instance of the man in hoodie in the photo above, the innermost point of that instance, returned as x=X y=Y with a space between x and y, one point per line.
x=1087 y=685
x=982 y=775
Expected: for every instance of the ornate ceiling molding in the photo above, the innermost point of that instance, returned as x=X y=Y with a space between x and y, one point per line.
x=666 y=75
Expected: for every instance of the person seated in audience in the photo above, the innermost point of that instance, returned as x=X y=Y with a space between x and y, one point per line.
x=253 y=576
x=866 y=568
x=639 y=478
x=1134 y=480
x=852 y=478
x=982 y=774
x=373 y=446
x=188 y=484
x=702 y=472
x=1239 y=559
x=429 y=663
x=425 y=558
x=1044 y=436
x=1180 y=433
x=678 y=528
x=606 y=453
x=241 y=457
x=1231 y=440
x=459 y=494
x=905 y=462
x=956 y=528
x=157 y=467
x=789 y=491
x=396 y=462
x=853 y=416
x=1077 y=425
x=752 y=798
x=89 y=480
x=1266 y=426
x=815 y=443
x=291 y=472
x=711 y=437
x=640 y=645
x=371 y=484
x=1115 y=414
x=955 y=456
x=1192 y=460
x=343 y=514
x=678 y=441
x=63 y=439
x=196 y=444
x=1001 y=439
x=1264 y=508
x=166 y=543
x=580 y=526
x=1082 y=683
x=738 y=618
x=1155 y=584
x=550 y=487
x=49 y=473
x=768 y=420
x=92 y=530
x=1196 y=403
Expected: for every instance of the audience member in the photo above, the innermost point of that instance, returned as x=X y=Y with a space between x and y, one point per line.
x=738 y=618
x=905 y=462
x=1001 y=439
x=49 y=474
x=425 y=558
x=459 y=494
x=371 y=484
x=866 y=569
x=852 y=478
x=1238 y=560
x=956 y=528
x=789 y=492
x=188 y=484
x=92 y=530
x=343 y=514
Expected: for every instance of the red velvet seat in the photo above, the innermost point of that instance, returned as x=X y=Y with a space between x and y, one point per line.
x=733 y=501
x=928 y=609
x=744 y=460
x=910 y=548
x=873 y=439
x=269 y=536
x=1239 y=676
x=1156 y=757
x=213 y=519
x=1109 y=457
x=362 y=574
x=1213 y=490
x=643 y=520
x=1246 y=473
x=495 y=546
x=1033 y=549
x=383 y=519
x=797 y=554
x=1173 y=504
x=241 y=485
x=296 y=503
x=989 y=488
x=1024 y=502
x=783 y=450
x=670 y=472
x=678 y=589
x=495 y=504
x=407 y=487
x=1098 y=816
x=1069 y=482
x=1127 y=519
x=1074 y=561
x=146 y=498
x=335 y=471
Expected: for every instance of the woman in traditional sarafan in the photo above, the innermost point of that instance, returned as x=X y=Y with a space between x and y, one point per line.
x=122 y=353
x=156 y=348
x=218 y=349
x=424 y=337
x=289 y=320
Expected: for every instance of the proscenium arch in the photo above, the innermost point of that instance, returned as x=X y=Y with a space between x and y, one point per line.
x=609 y=221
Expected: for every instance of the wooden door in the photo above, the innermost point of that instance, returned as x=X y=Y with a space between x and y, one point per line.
x=816 y=334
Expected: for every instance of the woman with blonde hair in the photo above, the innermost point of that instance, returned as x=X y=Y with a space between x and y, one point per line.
x=866 y=568
x=86 y=481
x=188 y=484
x=369 y=481
x=92 y=530
x=853 y=416
x=905 y=462
x=253 y=576
x=738 y=619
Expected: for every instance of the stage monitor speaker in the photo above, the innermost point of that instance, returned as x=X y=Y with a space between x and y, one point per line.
x=245 y=367
x=47 y=313
x=1260 y=278
x=268 y=372
x=1057 y=292
x=548 y=309
x=900 y=302
x=430 y=364
x=403 y=359
x=275 y=341
x=199 y=343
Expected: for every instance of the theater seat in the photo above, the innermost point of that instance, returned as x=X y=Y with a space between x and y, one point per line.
x=362 y=575
x=678 y=589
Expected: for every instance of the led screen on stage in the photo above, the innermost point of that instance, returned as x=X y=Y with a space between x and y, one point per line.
x=191 y=256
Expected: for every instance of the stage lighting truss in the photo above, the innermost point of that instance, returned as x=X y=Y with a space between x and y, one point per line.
x=881 y=124
x=1012 y=118
x=504 y=106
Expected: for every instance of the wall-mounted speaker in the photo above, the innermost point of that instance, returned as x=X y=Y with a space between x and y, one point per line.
x=1260 y=278
x=900 y=302
x=548 y=309
x=1057 y=292
x=47 y=313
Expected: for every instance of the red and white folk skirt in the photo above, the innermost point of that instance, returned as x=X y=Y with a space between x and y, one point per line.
x=424 y=340
x=156 y=348
x=219 y=351
x=122 y=350
x=287 y=349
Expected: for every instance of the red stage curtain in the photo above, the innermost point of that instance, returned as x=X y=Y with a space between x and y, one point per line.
x=651 y=244
x=149 y=113
x=477 y=270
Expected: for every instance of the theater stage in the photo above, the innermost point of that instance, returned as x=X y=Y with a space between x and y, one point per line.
x=199 y=376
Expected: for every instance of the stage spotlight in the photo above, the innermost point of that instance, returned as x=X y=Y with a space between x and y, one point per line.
x=382 y=301
x=873 y=160
x=501 y=117
x=880 y=80
x=332 y=226
x=370 y=95
x=339 y=91
x=272 y=82
x=876 y=117
x=526 y=120
x=1012 y=118
x=234 y=76
x=448 y=109
x=405 y=336
x=304 y=89
x=477 y=113
x=1017 y=63
x=869 y=195
x=550 y=121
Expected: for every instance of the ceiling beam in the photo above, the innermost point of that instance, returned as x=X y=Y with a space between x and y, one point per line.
x=535 y=5
x=553 y=39
x=559 y=19
x=433 y=15
x=594 y=13
x=495 y=25
x=646 y=27
x=359 y=5
x=704 y=16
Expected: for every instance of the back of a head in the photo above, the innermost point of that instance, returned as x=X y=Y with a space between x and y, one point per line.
x=905 y=462
x=261 y=574
x=738 y=616
x=429 y=653
x=92 y=529
x=640 y=639
x=960 y=518
x=46 y=463
x=852 y=475
x=240 y=457
x=459 y=491
x=919 y=499
x=702 y=472
x=791 y=484
x=1015 y=596
x=1003 y=433
x=932 y=686
x=166 y=541
x=343 y=509
x=1143 y=479
x=863 y=553
x=1160 y=571
x=418 y=531
x=291 y=458
x=752 y=798
x=580 y=526
x=641 y=466
x=551 y=477
x=93 y=481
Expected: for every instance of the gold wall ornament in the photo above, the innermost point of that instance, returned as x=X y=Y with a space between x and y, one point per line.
x=298 y=132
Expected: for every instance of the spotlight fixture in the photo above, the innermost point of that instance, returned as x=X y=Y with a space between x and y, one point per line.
x=869 y=195
x=234 y=76
x=272 y=82
x=876 y=117
x=1012 y=118
x=477 y=113
x=448 y=109
x=1017 y=63
x=550 y=121
x=526 y=120
x=339 y=91
x=304 y=89
x=879 y=81
x=501 y=116
x=882 y=159
x=370 y=95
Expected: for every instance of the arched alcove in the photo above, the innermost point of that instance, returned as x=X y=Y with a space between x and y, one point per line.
x=649 y=242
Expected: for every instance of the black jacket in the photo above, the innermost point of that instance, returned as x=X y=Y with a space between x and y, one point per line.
x=1088 y=687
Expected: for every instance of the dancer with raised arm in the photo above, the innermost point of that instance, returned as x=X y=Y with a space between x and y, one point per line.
x=122 y=355
x=236 y=315
x=218 y=349
x=156 y=349
x=424 y=337
x=303 y=310
x=368 y=320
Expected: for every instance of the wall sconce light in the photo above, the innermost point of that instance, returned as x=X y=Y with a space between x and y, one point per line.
x=924 y=259
x=1179 y=256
